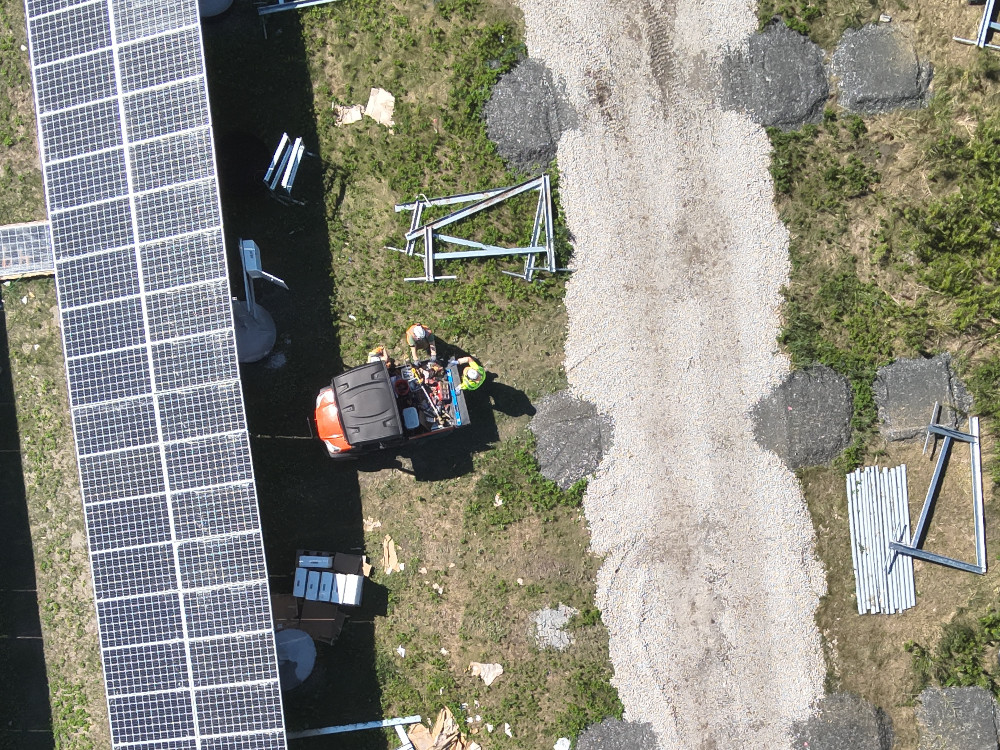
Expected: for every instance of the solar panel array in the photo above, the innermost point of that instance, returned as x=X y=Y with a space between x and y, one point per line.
x=25 y=250
x=164 y=458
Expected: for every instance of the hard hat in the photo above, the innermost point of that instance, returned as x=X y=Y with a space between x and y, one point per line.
x=419 y=332
x=472 y=373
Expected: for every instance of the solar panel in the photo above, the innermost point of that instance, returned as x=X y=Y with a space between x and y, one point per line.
x=26 y=250
x=136 y=241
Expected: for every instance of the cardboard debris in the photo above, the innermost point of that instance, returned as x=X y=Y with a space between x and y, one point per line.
x=562 y=743
x=489 y=672
x=389 y=559
x=380 y=106
x=445 y=735
x=401 y=651
x=347 y=115
x=371 y=524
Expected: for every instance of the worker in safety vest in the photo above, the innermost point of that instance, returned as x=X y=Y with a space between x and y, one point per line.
x=420 y=339
x=473 y=375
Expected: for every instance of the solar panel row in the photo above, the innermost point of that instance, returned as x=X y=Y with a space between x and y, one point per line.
x=164 y=458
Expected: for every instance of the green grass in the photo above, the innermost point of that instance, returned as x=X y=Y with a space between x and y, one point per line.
x=822 y=20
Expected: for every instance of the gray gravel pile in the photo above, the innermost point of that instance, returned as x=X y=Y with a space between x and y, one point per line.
x=550 y=627
x=877 y=70
x=845 y=722
x=957 y=719
x=570 y=437
x=807 y=419
x=710 y=580
x=779 y=79
x=526 y=115
x=612 y=734
x=905 y=392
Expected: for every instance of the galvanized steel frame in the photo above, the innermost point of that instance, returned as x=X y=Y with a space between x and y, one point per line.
x=481 y=201
x=915 y=548
x=986 y=28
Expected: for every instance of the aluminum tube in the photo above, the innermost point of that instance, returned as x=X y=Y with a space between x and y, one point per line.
x=450 y=200
x=977 y=494
x=493 y=200
x=852 y=481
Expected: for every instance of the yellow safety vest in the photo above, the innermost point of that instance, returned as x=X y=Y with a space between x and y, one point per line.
x=471 y=385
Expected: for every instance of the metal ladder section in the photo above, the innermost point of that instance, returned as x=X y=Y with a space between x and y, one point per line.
x=280 y=175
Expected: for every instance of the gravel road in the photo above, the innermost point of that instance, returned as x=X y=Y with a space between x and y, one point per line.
x=710 y=581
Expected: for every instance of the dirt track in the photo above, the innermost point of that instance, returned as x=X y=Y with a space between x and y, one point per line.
x=710 y=582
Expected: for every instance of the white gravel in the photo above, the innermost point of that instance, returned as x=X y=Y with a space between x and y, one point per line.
x=710 y=582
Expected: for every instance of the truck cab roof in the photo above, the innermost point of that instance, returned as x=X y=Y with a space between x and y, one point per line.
x=367 y=404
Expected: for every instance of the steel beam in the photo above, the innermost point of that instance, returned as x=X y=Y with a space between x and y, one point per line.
x=937 y=429
x=384 y=724
x=921 y=554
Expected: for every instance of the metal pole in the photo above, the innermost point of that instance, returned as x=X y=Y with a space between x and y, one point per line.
x=384 y=724
x=932 y=490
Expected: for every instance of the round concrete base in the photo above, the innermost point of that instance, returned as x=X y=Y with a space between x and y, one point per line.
x=255 y=336
x=213 y=8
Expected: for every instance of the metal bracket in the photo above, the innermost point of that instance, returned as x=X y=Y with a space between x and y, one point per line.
x=986 y=28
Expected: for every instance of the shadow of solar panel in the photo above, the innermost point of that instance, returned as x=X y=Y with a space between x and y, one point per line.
x=160 y=60
x=243 y=708
x=75 y=31
x=195 y=361
x=114 y=426
x=242 y=658
x=162 y=111
x=108 y=376
x=146 y=669
x=172 y=159
x=188 y=259
x=69 y=83
x=151 y=717
x=91 y=229
x=202 y=411
x=218 y=562
x=116 y=476
x=225 y=611
x=139 y=18
x=226 y=509
x=263 y=741
x=222 y=459
x=82 y=130
x=97 y=278
x=125 y=523
x=195 y=309
x=114 y=325
x=87 y=179
x=177 y=210
x=134 y=572
x=147 y=619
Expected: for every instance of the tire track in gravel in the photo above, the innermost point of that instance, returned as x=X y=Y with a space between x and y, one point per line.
x=710 y=582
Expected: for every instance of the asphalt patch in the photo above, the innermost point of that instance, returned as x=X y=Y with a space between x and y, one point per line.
x=877 y=70
x=843 y=721
x=612 y=734
x=571 y=437
x=806 y=420
x=905 y=392
x=779 y=80
x=526 y=115
x=962 y=718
